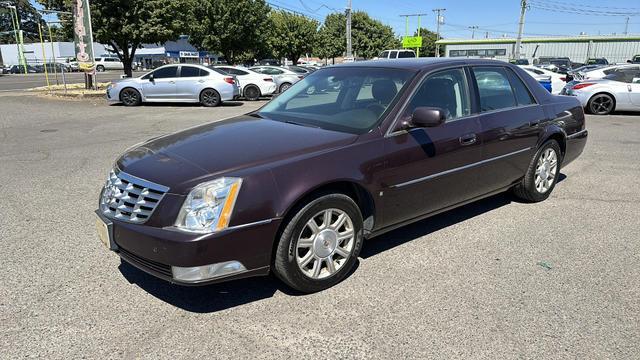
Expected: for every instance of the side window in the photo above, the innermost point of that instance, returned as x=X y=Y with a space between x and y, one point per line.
x=165 y=72
x=189 y=71
x=447 y=90
x=393 y=55
x=406 y=54
x=272 y=71
x=384 y=55
x=494 y=88
x=523 y=96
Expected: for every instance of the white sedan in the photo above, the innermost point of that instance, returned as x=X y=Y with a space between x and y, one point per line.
x=618 y=91
x=253 y=85
x=558 y=81
x=601 y=72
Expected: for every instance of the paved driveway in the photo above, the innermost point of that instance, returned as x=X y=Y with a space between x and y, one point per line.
x=494 y=279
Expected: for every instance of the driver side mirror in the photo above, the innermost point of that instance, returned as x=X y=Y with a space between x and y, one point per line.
x=151 y=79
x=424 y=116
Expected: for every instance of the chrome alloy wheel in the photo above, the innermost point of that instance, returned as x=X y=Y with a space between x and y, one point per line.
x=546 y=170
x=325 y=243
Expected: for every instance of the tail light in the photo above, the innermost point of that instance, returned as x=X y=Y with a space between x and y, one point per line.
x=268 y=79
x=563 y=79
x=229 y=80
x=300 y=77
x=582 y=85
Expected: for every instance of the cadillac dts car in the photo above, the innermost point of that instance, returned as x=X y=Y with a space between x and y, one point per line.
x=296 y=187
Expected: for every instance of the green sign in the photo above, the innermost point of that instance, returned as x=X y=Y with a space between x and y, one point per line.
x=412 y=41
x=83 y=37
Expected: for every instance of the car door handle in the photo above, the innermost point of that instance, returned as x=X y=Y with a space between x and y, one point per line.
x=468 y=139
x=200 y=81
x=172 y=82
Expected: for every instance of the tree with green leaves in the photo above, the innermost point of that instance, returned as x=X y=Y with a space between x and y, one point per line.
x=368 y=36
x=292 y=35
x=28 y=18
x=125 y=25
x=330 y=41
x=429 y=39
x=238 y=29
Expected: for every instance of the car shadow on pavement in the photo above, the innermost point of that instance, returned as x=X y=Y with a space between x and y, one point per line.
x=216 y=297
x=438 y=222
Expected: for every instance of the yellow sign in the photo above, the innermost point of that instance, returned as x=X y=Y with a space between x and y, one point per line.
x=412 y=41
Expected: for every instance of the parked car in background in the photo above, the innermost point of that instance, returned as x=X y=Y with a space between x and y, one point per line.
x=108 y=63
x=176 y=83
x=617 y=91
x=555 y=64
x=601 y=72
x=635 y=59
x=283 y=78
x=396 y=54
x=58 y=67
x=519 y=61
x=302 y=70
x=4 y=69
x=271 y=62
x=556 y=81
x=252 y=85
x=20 y=69
x=597 y=61
x=296 y=187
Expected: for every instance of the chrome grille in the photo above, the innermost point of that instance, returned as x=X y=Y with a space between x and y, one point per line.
x=128 y=198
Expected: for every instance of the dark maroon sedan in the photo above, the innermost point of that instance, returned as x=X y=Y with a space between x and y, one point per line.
x=347 y=153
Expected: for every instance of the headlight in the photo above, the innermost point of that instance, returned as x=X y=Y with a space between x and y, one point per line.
x=209 y=206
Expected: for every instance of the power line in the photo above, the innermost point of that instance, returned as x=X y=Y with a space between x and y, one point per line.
x=318 y=9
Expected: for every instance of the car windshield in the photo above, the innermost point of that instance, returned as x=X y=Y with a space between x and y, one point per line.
x=346 y=99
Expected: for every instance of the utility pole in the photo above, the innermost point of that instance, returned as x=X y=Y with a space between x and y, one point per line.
x=439 y=21
x=523 y=11
x=473 y=30
x=626 y=26
x=348 y=11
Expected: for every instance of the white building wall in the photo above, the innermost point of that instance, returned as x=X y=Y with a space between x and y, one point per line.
x=613 y=51
x=33 y=52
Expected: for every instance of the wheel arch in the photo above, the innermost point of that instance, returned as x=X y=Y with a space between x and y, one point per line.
x=557 y=134
x=602 y=92
x=358 y=193
x=142 y=98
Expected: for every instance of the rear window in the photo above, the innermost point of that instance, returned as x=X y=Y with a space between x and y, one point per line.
x=406 y=54
x=494 y=88
x=192 y=71
x=523 y=96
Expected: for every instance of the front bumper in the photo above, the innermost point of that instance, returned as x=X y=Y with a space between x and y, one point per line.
x=155 y=250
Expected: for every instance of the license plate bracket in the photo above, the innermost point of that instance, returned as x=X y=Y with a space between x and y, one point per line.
x=104 y=228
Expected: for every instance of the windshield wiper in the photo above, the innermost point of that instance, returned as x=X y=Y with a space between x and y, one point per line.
x=301 y=124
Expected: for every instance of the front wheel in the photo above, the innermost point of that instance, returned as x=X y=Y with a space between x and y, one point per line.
x=210 y=98
x=130 y=97
x=284 y=87
x=320 y=244
x=542 y=174
x=601 y=104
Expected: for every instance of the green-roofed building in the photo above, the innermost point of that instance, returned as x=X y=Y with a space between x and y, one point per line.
x=578 y=48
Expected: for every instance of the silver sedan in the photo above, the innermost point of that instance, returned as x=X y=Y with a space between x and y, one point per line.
x=176 y=83
x=618 y=91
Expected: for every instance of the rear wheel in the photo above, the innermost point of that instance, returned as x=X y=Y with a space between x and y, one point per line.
x=320 y=244
x=130 y=97
x=601 y=104
x=284 y=87
x=210 y=98
x=542 y=173
x=251 y=93
x=100 y=68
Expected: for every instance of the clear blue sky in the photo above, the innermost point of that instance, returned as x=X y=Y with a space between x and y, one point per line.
x=498 y=17
x=562 y=17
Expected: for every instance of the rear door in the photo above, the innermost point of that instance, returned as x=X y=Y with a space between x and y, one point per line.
x=634 y=89
x=432 y=168
x=190 y=82
x=510 y=118
x=163 y=84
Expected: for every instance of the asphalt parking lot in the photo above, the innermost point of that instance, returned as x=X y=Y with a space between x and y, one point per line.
x=494 y=279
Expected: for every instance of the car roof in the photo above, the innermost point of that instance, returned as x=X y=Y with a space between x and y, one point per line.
x=421 y=63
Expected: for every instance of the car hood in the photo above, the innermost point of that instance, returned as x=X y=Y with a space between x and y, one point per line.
x=224 y=148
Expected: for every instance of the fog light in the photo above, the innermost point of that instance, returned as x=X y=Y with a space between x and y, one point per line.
x=206 y=272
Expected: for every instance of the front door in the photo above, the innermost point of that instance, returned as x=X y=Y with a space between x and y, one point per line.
x=428 y=169
x=162 y=85
x=634 y=89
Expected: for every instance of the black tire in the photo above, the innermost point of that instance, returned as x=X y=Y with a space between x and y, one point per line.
x=251 y=93
x=527 y=189
x=601 y=104
x=100 y=68
x=130 y=97
x=285 y=263
x=210 y=98
x=284 y=87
